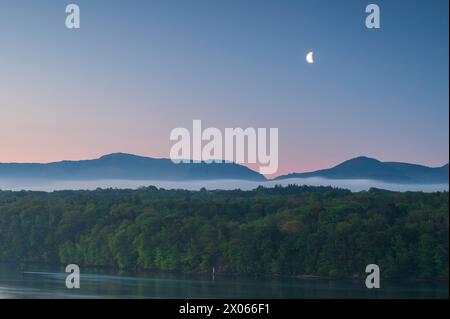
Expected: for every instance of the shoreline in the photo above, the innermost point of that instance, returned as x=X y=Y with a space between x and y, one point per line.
x=145 y=271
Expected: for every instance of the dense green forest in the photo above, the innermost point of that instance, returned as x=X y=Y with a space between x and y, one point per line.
x=283 y=230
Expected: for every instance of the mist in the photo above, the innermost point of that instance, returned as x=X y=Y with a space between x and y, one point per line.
x=354 y=185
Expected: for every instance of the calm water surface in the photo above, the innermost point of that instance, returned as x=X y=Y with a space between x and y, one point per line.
x=32 y=281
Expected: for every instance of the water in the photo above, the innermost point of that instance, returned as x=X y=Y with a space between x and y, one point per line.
x=49 y=282
x=354 y=185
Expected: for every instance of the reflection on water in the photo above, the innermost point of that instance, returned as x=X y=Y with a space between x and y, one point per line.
x=49 y=282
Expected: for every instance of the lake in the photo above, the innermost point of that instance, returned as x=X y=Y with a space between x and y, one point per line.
x=33 y=281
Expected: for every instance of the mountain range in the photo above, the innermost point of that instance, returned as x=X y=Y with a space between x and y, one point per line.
x=371 y=169
x=132 y=167
x=129 y=167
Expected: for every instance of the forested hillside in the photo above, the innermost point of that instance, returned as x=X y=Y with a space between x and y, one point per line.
x=289 y=231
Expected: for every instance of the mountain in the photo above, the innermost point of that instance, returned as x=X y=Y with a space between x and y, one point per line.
x=123 y=166
x=127 y=166
x=370 y=168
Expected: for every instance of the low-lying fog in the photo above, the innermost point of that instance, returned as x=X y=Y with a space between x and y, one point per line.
x=353 y=185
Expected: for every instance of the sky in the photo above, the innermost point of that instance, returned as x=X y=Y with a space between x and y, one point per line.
x=135 y=70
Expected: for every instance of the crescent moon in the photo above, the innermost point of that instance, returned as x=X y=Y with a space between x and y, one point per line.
x=310 y=57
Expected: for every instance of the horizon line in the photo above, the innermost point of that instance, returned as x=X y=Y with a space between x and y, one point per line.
x=242 y=164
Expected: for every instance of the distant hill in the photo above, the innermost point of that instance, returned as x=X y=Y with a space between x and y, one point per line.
x=391 y=172
x=123 y=166
x=127 y=166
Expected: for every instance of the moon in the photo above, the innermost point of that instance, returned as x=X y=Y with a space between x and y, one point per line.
x=310 y=57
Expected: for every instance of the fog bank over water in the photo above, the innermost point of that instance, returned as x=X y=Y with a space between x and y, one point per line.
x=351 y=184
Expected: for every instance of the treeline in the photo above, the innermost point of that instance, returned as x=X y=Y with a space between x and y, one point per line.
x=284 y=230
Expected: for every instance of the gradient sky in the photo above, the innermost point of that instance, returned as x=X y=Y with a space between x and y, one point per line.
x=137 y=69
